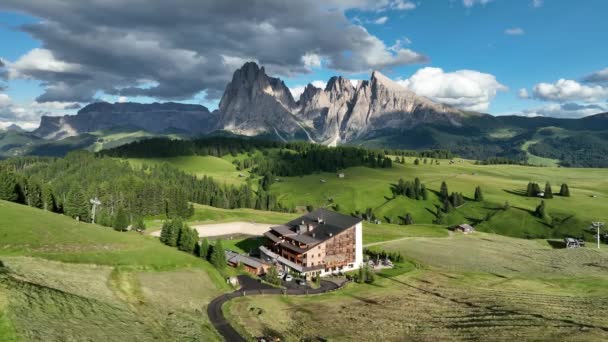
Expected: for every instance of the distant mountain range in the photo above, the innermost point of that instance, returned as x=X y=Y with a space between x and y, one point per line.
x=377 y=112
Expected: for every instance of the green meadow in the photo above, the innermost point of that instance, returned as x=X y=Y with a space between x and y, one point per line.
x=66 y=280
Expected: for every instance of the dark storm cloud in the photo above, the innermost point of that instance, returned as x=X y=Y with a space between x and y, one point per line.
x=175 y=49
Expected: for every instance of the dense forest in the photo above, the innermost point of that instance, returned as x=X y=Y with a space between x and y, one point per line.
x=277 y=158
x=66 y=185
x=575 y=151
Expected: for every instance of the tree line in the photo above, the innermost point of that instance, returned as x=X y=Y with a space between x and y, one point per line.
x=66 y=185
x=176 y=233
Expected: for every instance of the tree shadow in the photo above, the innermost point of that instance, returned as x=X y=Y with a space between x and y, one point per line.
x=474 y=221
x=521 y=193
x=555 y=244
x=434 y=213
x=251 y=245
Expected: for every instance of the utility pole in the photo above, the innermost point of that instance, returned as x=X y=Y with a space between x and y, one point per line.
x=95 y=202
x=597 y=225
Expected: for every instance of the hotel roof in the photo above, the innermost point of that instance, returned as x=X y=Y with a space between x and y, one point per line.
x=315 y=227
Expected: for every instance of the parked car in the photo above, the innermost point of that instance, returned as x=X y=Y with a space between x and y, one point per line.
x=301 y=281
x=288 y=277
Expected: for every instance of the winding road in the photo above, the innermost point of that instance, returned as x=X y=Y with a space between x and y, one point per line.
x=251 y=287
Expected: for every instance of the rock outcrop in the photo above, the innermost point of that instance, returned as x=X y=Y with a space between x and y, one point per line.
x=154 y=118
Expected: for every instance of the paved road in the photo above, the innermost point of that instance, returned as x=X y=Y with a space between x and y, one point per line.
x=252 y=287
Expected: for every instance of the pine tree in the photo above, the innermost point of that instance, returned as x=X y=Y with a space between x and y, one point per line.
x=164 y=232
x=425 y=193
x=439 y=217
x=540 y=211
x=564 y=190
x=218 y=257
x=443 y=192
x=139 y=224
x=204 y=249
x=478 y=194
x=548 y=191
x=173 y=233
x=121 y=220
x=48 y=199
x=408 y=219
x=447 y=205
x=77 y=205
x=9 y=188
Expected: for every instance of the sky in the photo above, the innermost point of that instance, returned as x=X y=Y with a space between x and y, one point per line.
x=521 y=57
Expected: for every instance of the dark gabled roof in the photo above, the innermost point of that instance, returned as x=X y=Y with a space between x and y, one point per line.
x=272 y=237
x=329 y=217
x=324 y=223
x=236 y=258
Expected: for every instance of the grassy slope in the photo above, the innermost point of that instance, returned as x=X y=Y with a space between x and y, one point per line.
x=477 y=287
x=222 y=170
x=99 y=282
x=365 y=187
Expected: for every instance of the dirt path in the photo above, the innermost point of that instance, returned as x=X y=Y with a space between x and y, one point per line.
x=229 y=228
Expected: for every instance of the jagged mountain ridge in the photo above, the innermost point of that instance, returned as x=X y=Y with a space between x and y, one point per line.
x=342 y=112
x=254 y=103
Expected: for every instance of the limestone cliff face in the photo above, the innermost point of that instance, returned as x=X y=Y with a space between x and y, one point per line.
x=342 y=113
x=154 y=117
x=254 y=103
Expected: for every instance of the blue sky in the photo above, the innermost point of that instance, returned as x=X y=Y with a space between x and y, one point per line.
x=474 y=54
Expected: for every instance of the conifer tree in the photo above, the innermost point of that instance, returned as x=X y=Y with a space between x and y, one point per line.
x=139 y=224
x=548 y=191
x=121 y=220
x=48 y=199
x=425 y=193
x=218 y=257
x=439 y=217
x=9 y=188
x=204 y=249
x=443 y=192
x=77 y=205
x=564 y=190
x=478 y=194
x=540 y=211
x=408 y=219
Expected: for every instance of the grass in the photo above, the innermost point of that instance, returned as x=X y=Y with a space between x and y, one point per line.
x=220 y=169
x=204 y=214
x=370 y=188
x=67 y=281
x=473 y=287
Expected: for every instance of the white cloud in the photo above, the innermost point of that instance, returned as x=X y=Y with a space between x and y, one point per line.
x=402 y=5
x=311 y=60
x=569 y=90
x=598 y=76
x=466 y=89
x=565 y=110
x=28 y=116
x=471 y=3
x=381 y=20
x=5 y=100
x=537 y=3
x=515 y=31
x=523 y=93
x=38 y=60
x=123 y=99
x=299 y=89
